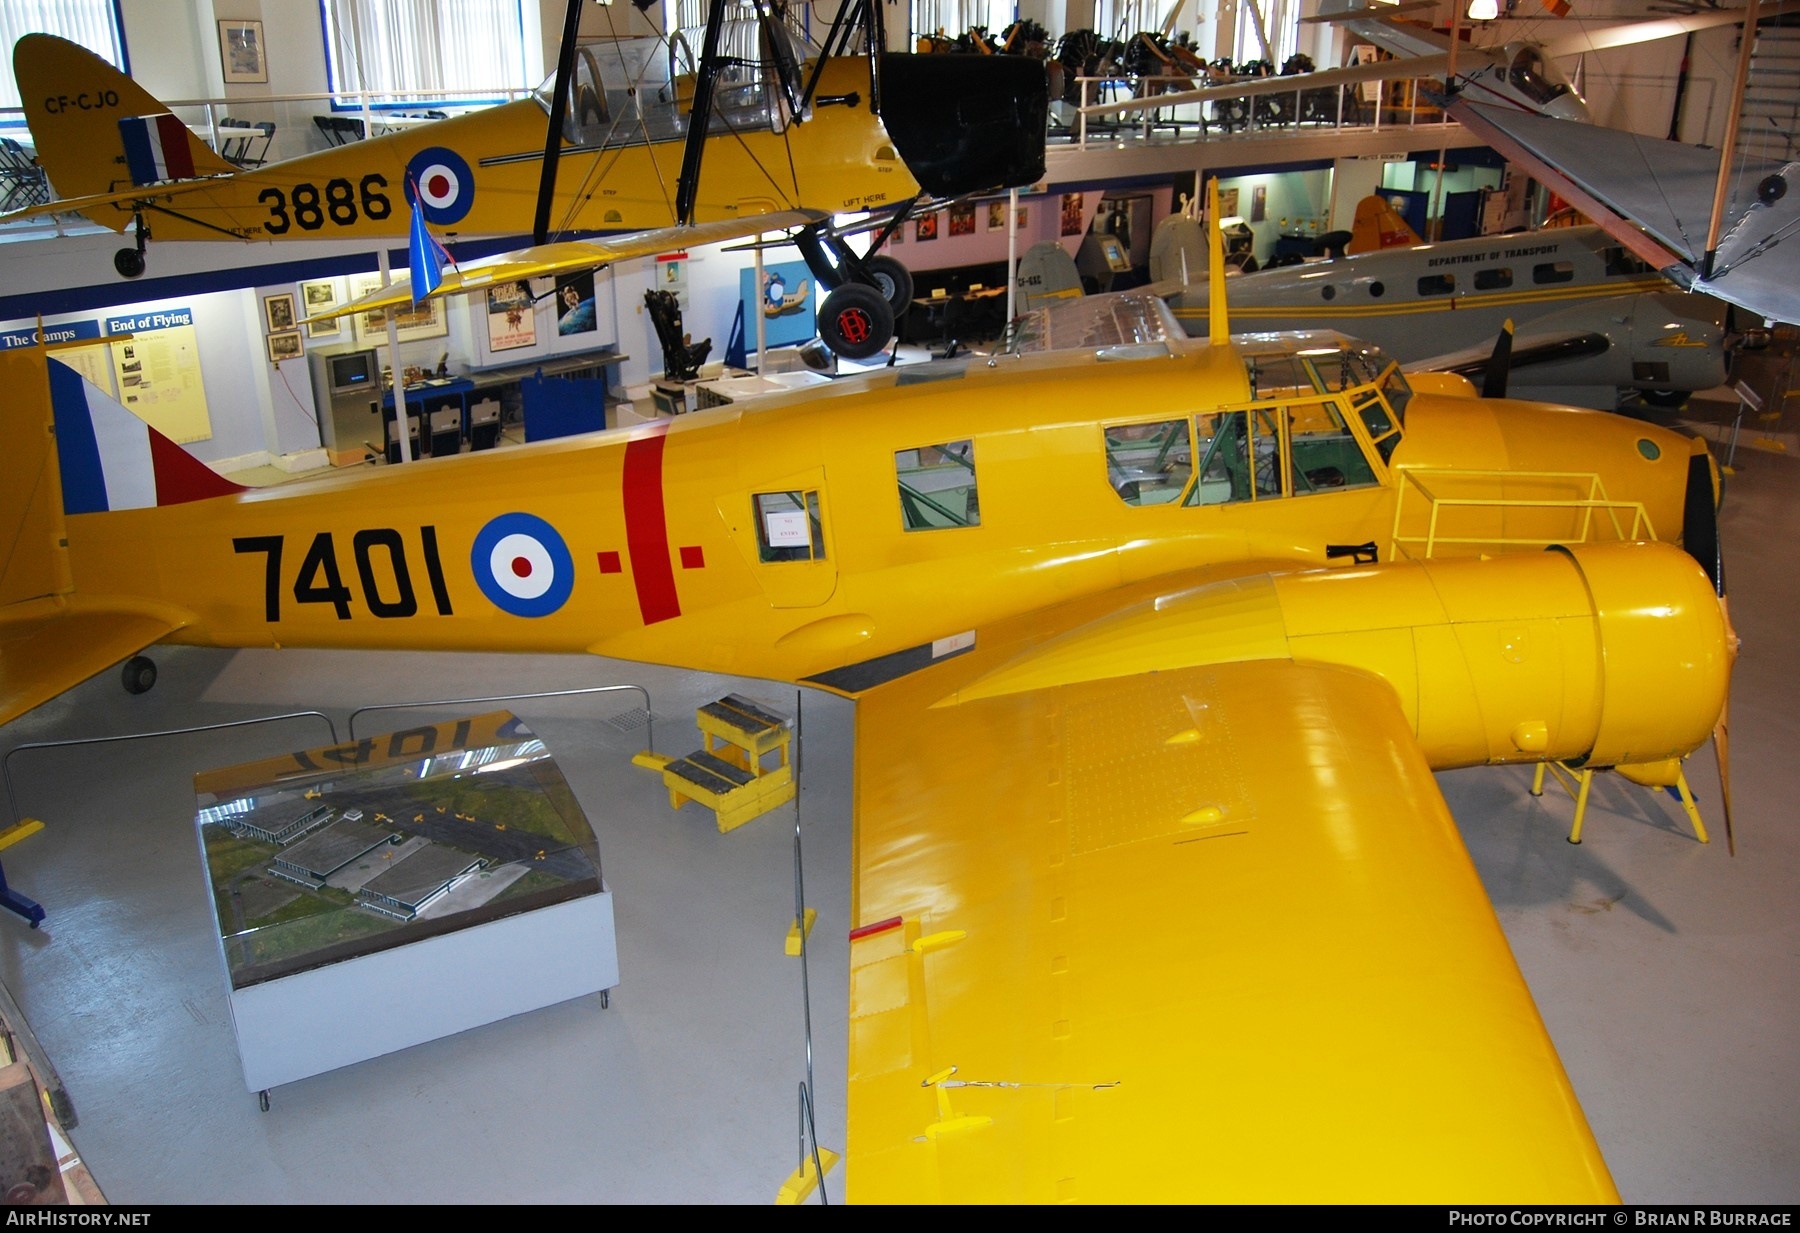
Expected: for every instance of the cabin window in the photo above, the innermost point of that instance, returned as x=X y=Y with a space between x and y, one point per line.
x=1323 y=455
x=1494 y=279
x=1376 y=288
x=1553 y=272
x=1437 y=284
x=1328 y=292
x=937 y=486
x=788 y=526
x=1149 y=464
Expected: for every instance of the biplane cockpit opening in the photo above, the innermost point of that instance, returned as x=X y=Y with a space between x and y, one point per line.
x=1533 y=76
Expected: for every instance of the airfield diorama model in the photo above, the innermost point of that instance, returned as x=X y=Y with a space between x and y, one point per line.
x=1155 y=642
x=322 y=855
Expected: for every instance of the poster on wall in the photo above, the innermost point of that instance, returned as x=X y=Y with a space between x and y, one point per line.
x=411 y=322
x=671 y=276
x=321 y=295
x=575 y=304
x=996 y=216
x=158 y=369
x=785 y=301
x=925 y=227
x=1074 y=214
x=511 y=322
x=962 y=218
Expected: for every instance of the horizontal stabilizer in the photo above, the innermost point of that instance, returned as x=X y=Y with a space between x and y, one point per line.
x=48 y=647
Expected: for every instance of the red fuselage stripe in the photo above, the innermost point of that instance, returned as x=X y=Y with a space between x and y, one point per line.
x=647 y=531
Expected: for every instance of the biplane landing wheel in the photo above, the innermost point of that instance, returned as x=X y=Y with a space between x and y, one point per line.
x=129 y=262
x=262 y=1100
x=139 y=674
x=855 y=321
x=893 y=280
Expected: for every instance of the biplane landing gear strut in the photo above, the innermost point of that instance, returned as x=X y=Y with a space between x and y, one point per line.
x=867 y=294
x=129 y=262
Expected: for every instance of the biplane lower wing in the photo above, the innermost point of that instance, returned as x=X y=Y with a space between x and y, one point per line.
x=48 y=646
x=1200 y=935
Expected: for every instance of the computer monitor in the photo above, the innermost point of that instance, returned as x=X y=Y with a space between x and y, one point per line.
x=353 y=370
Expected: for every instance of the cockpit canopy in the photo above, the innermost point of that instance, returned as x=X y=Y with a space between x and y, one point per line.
x=633 y=90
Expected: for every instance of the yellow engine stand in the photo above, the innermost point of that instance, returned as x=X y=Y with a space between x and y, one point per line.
x=1577 y=783
x=728 y=775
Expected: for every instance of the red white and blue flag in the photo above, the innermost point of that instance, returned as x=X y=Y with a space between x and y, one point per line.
x=156 y=148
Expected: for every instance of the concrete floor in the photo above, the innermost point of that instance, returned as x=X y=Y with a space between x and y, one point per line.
x=1665 y=969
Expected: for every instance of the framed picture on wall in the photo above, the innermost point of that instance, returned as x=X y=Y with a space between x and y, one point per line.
x=321 y=296
x=285 y=346
x=411 y=321
x=278 y=312
x=241 y=51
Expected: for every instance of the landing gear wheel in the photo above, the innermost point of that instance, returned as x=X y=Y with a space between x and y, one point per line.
x=855 y=321
x=1668 y=400
x=893 y=280
x=129 y=262
x=139 y=674
x=262 y=1100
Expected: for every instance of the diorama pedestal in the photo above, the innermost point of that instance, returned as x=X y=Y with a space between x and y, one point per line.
x=302 y=1025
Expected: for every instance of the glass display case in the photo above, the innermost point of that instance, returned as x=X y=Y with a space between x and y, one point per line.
x=398 y=888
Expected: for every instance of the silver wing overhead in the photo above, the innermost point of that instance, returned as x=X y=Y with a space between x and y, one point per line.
x=1666 y=189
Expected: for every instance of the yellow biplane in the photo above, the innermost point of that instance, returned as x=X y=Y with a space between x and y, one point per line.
x=1156 y=643
x=789 y=136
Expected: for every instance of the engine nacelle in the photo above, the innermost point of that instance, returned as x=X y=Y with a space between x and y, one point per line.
x=1598 y=655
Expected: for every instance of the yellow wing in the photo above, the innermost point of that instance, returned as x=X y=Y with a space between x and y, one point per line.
x=1202 y=935
x=548 y=259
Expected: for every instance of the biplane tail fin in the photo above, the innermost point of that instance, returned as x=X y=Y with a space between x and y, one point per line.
x=95 y=129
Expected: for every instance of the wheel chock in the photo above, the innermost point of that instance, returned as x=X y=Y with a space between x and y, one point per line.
x=794 y=930
x=804 y=1180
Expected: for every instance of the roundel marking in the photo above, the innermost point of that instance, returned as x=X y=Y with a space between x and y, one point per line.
x=440 y=183
x=522 y=565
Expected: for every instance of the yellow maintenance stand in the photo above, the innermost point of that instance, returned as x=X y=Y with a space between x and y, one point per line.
x=729 y=775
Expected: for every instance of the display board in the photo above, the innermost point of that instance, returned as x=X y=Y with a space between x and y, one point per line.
x=158 y=371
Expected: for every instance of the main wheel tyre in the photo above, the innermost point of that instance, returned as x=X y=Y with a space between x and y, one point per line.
x=893 y=280
x=1668 y=400
x=855 y=321
x=129 y=262
x=139 y=674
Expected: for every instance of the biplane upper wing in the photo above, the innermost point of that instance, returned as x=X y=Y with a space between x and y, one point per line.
x=544 y=260
x=1201 y=934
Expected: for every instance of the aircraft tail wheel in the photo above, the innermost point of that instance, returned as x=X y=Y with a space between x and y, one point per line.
x=140 y=674
x=129 y=262
x=855 y=321
x=893 y=280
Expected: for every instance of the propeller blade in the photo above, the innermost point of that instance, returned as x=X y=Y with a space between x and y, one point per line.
x=1493 y=381
x=1700 y=521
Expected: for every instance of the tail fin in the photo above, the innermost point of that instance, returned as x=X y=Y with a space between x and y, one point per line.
x=1378 y=225
x=95 y=129
x=110 y=459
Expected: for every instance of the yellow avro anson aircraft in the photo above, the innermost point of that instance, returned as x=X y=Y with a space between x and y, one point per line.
x=1156 y=643
x=668 y=150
